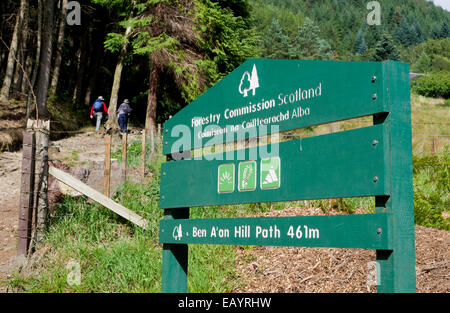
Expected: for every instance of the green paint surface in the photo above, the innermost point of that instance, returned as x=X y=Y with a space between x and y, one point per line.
x=342 y=164
x=367 y=231
x=286 y=94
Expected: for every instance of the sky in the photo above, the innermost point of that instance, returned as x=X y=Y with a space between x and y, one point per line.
x=443 y=3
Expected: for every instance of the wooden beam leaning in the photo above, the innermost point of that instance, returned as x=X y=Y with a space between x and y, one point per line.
x=98 y=197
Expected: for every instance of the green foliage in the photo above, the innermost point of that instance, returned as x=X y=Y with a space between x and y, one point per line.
x=307 y=42
x=385 y=49
x=433 y=85
x=276 y=44
x=431 y=190
x=360 y=43
x=432 y=55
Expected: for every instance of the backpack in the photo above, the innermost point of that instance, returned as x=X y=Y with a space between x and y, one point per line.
x=98 y=105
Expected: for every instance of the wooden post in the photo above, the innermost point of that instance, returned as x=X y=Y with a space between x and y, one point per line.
x=124 y=156
x=42 y=129
x=397 y=266
x=26 y=193
x=107 y=173
x=175 y=256
x=143 y=152
x=152 y=141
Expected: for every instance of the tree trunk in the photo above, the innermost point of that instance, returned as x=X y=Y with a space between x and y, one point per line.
x=18 y=73
x=46 y=58
x=82 y=57
x=38 y=44
x=112 y=122
x=150 y=119
x=4 y=93
x=59 y=48
x=93 y=75
x=26 y=65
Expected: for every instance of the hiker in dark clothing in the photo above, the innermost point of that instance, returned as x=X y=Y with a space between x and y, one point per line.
x=122 y=115
x=97 y=109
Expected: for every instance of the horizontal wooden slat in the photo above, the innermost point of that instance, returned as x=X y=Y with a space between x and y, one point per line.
x=365 y=231
x=346 y=164
x=288 y=93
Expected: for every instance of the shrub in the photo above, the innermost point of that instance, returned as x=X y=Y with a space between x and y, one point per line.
x=433 y=85
x=431 y=190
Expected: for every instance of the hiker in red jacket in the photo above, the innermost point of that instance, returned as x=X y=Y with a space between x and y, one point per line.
x=97 y=109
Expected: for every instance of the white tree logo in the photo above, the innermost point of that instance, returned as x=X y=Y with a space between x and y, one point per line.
x=177 y=232
x=249 y=82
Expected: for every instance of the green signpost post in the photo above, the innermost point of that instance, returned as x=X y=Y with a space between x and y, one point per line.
x=263 y=97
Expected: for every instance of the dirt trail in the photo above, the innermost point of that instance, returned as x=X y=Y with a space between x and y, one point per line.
x=10 y=168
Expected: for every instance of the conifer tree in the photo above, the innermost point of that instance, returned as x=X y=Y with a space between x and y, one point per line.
x=307 y=42
x=276 y=43
x=360 y=43
x=445 y=30
x=385 y=49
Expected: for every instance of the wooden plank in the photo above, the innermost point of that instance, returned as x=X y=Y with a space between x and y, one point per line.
x=289 y=94
x=365 y=231
x=345 y=164
x=398 y=266
x=97 y=197
x=42 y=133
x=26 y=194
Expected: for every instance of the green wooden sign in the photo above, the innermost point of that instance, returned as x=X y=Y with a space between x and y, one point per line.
x=276 y=95
x=344 y=164
x=369 y=231
x=287 y=94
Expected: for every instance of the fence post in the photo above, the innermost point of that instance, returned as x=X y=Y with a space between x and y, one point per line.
x=143 y=152
x=107 y=172
x=41 y=177
x=26 y=193
x=124 y=156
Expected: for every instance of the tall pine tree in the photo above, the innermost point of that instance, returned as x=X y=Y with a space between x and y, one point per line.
x=307 y=42
x=360 y=43
x=276 y=44
x=385 y=49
